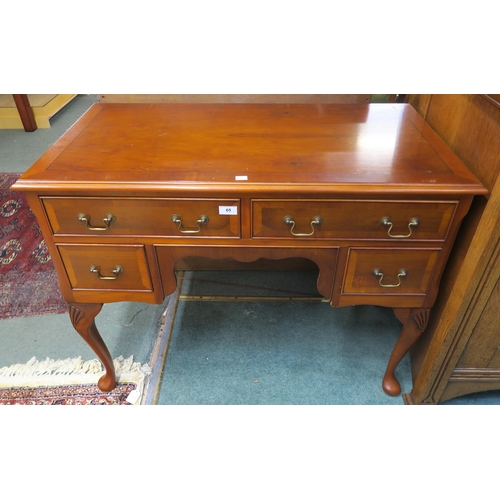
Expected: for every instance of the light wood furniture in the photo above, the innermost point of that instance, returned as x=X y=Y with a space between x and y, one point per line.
x=30 y=111
x=459 y=352
x=368 y=192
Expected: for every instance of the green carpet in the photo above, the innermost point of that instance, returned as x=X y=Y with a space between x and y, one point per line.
x=276 y=352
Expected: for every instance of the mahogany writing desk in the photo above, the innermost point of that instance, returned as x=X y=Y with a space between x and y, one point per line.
x=367 y=192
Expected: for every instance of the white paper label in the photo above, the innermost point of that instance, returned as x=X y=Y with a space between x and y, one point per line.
x=133 y=397
x=228 y=210
x=241 y=178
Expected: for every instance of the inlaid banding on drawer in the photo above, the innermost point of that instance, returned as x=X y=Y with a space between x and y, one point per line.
x=106 y=267
x=357 y=219
x=389 y=271
x=140 y=216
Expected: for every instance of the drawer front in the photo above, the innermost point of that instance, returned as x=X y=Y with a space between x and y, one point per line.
x=344 y=219
x=106 y=267
x=389 y=271
x=140 y=216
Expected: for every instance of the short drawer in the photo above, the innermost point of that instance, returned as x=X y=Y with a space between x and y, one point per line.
x=106 y=267
x=143 y=216
x=389 y=271
x=346 y=219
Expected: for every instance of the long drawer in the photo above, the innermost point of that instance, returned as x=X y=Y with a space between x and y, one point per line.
x=374 y=271
x=358 y=219
x=141 y=216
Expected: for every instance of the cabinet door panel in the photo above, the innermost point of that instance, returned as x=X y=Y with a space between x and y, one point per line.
x=482 y=350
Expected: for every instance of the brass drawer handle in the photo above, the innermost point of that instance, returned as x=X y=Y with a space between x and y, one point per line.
x=379 y=274
x=108 y=219
x=288 y=219
x=203 y=219
x=116 y=271
x=414 y=222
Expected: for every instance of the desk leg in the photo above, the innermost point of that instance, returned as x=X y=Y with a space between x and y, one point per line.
x=82 y=316
x=414 y=323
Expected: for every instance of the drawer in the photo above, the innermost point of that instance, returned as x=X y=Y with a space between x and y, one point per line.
x=141 y=216
x=346 y=219
x=389 y=271
x=106 y=267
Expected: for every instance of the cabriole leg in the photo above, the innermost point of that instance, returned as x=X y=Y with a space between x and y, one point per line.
x=82 y=317
x=414 y=323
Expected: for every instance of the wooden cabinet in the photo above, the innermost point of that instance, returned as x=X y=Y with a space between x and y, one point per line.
x=478 y=368
x=458 y=353
x=367 y=192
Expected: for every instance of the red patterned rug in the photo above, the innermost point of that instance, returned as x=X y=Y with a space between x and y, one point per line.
x=81 y=394
x=28 y=280
x=71 y=382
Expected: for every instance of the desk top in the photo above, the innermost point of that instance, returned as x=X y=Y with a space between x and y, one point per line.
x=290 y=148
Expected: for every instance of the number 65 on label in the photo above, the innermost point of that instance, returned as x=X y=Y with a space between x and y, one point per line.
x=228 y=210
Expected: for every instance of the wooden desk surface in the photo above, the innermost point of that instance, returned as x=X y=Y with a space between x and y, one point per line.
x=303 y=148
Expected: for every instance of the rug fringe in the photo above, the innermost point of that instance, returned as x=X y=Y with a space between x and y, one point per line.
x=36 y=373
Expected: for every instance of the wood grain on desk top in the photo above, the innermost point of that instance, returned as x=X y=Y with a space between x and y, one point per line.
x=291 y=148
